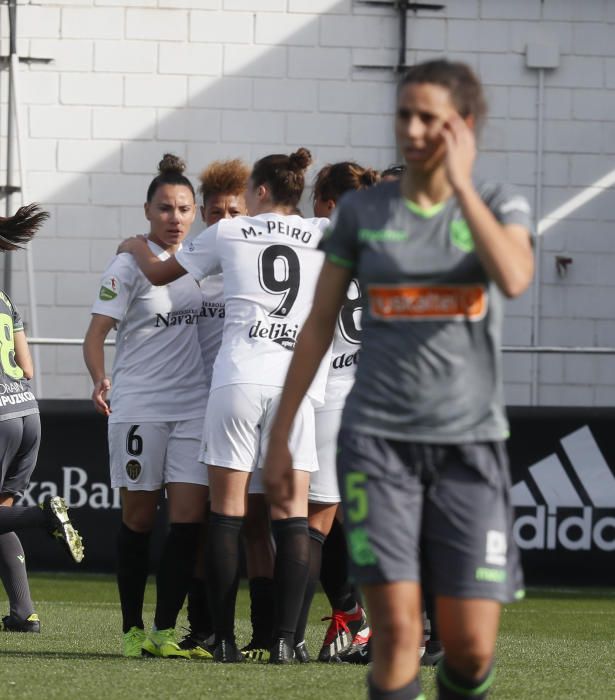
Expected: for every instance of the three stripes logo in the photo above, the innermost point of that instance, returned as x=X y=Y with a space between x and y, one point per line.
x=568 y=502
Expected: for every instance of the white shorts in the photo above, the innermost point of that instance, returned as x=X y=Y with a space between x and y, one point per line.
x=323 y=483
x=145 y=456
x=237 y=426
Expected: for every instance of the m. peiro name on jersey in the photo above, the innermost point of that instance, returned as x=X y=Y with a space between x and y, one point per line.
x=278 y=227
x=572 y=517
x=75 y=489
x=177 y=318
x=280 y=333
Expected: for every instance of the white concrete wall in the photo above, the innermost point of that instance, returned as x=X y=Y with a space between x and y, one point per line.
x=213 y=79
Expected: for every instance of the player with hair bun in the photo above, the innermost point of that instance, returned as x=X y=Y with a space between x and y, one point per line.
x=421 y=454
x=348 y=630
x=222 y=188
x=270 y=262
x=156 y=413
x=20 y=434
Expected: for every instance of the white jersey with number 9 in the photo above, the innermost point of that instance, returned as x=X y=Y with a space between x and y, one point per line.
x=270 y=265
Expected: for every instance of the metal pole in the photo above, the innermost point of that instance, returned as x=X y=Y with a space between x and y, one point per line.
x=34 y=329
x=8 y=267
x=403 y=24
x=536 y=288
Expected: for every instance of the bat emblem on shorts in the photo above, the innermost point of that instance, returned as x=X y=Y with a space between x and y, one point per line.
x=133 y=469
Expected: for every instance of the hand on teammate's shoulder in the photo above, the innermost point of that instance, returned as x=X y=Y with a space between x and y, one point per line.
x=128 y=245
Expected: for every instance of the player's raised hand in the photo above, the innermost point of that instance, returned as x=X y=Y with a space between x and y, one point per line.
x=278 y=474
x=129 y=245
x=99 y=396
x=460 y=151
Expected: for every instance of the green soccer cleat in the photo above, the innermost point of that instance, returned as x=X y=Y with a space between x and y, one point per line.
x=133 y=641
x=199 y=645
x=162 y=644
x=255 y=652
x=61 y=528
x=14 y=624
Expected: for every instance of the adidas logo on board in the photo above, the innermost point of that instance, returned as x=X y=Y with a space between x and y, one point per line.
x=569 y=505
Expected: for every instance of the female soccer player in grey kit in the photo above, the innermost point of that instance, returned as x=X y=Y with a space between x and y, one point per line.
x=20 y=434
x=421 y=455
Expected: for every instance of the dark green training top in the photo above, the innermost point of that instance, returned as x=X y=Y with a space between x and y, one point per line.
x=16 y=397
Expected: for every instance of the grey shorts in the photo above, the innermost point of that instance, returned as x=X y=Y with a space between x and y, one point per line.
x=439 y=514
x=19 y=442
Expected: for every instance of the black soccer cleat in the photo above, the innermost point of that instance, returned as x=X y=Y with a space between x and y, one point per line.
x=14 y=624
x=226 y=652
x=433 y=653
x=200 y=644
x=357 y=654
x=281 y=652
x=302 y=655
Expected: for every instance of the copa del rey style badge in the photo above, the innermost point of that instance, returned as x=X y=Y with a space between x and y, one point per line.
x=109 y=288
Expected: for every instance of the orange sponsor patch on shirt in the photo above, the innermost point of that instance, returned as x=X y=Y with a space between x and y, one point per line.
x=451 y=302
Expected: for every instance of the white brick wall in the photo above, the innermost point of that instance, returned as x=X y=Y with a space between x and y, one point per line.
x=211 y=79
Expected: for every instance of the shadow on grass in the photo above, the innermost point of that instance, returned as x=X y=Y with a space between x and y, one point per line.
x=567 y=593
x=91 y=655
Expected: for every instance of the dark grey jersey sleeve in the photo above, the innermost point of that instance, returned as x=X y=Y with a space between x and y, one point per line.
x=340 y=241
x=509 y=206
x=17 y=320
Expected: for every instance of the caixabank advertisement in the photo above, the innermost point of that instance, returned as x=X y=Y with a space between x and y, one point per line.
x=563 y=491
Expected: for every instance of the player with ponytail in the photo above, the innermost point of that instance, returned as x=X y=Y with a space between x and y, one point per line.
x=20 y=434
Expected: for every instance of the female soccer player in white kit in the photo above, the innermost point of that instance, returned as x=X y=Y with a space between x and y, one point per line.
x=270 y=264
x=156 y=413
x=421 y=460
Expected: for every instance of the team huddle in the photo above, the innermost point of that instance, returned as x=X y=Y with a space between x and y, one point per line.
x=277 y=365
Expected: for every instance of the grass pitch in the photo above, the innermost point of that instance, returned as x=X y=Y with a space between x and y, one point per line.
x=555 y=644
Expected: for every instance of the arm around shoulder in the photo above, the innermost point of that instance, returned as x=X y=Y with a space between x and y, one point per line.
x=158 y=272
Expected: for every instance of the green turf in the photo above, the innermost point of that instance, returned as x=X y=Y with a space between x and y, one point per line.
x=552 y=645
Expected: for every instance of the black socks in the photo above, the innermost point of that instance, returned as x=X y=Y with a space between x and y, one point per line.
x=290 y=574
x=334 y=571
x=199 y=611
x=175 y=572
x=261 y=611
x=18 y=518
x=453 y=686
x=132 y=570
x=316 y=542
x=222 y=565
x=411 y=691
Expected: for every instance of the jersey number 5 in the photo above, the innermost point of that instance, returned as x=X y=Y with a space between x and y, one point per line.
x=279 y=273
